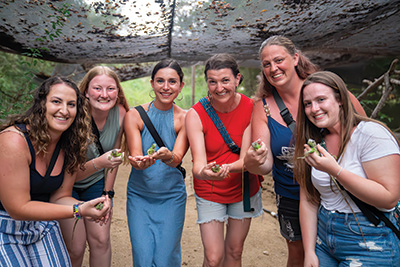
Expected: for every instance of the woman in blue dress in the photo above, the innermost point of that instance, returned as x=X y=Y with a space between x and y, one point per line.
x=156 y=194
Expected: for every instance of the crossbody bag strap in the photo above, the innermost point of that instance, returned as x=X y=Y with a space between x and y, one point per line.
x=235 y=149
x=150 y=126
x=156 y=136
x=96 y=132
x=220 y=126
x=374 y=215
x=285 y=113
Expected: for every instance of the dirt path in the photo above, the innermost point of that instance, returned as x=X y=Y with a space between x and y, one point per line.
x=264 y=245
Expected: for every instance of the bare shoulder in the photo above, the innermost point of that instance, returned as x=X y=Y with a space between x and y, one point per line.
x=121 y=110
x=179 y=112
x=258 y=103
x=13 y=143
x=122 y=113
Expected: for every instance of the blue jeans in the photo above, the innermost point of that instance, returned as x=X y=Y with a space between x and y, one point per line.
x=340 y=242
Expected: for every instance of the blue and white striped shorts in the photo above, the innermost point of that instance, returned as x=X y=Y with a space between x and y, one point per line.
x=31 y=243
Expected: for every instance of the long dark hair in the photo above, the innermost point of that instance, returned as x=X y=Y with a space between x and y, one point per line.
x=73 y=141
x=168 y=63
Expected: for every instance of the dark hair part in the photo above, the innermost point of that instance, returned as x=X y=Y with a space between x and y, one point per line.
x=100 y=70
x=222 y=61
x=73 y=141
x=306 y=129
x=168 y=63
x=304 y=67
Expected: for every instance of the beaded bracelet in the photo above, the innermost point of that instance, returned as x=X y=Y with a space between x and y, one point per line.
x=77 y=211
x=94 y=165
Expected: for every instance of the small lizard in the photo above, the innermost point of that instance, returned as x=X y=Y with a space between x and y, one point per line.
x=151 y=149
x=255 y=145
x=114 y=154
x=313 y=145
x=216 y=168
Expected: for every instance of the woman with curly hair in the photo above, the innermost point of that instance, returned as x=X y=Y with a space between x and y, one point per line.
x=108 y=107
x=40 y=154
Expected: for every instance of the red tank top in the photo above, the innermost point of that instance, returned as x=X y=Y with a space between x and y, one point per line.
x=228 y=190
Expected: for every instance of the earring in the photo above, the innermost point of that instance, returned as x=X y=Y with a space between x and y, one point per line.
x=180 y=94
x=152 y=97
x=209 y=95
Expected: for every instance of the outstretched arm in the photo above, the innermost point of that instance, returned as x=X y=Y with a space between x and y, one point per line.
x=201 y=169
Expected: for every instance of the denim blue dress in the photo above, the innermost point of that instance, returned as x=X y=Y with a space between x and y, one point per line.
x=156 y=202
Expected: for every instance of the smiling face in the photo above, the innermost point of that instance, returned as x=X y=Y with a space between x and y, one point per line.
x=167 y=86
x=102 y=93
x=222 y=84
x=61 y=108
x=278 y=65
x=321 y=106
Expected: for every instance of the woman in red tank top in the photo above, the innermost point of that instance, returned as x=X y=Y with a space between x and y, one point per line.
x=217 y=171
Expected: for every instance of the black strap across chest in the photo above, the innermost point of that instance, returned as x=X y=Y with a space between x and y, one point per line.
x=96 y=132
x=155 y=135
x=284 y=111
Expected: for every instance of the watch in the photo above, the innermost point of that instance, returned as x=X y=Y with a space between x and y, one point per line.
x=110 y=193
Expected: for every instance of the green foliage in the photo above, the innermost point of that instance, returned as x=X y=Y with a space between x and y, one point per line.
x=17 y=79
x=17 y=82
x=137 y=91
x=389 y=113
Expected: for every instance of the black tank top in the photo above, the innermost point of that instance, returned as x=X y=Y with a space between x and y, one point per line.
x=41 y=186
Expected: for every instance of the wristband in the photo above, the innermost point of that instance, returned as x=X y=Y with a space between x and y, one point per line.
x=171 y=159
x=77 y=211
x=110 y=194
x=341 y=168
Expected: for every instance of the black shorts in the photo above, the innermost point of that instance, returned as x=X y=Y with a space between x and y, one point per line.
x=289 y=221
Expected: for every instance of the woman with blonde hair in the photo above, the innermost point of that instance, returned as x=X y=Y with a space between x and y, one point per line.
x=108 y=107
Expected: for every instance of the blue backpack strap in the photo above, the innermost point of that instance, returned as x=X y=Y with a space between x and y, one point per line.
x=235 y=149
x=220 y=126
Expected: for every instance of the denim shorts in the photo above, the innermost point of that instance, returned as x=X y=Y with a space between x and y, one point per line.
x=340 y=242
x=92 y=192
x=208 y=211
x=289 y=220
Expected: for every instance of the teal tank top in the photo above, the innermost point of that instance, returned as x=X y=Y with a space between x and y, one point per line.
x=108 y=137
